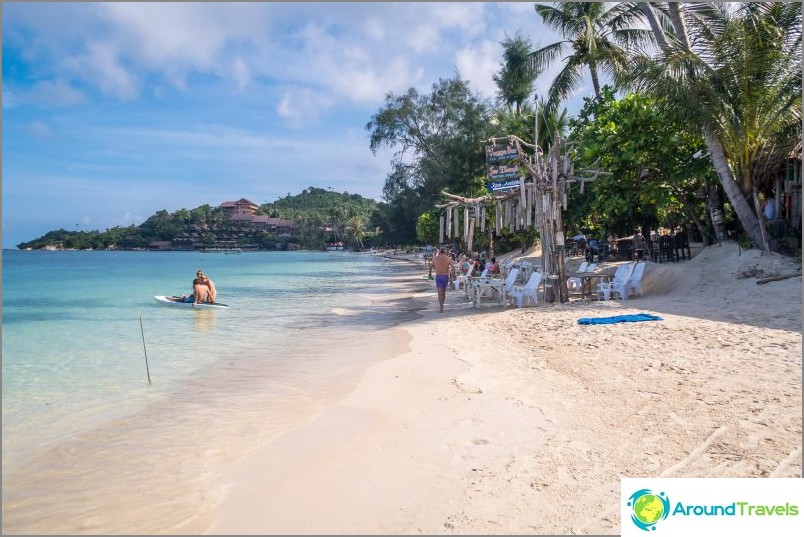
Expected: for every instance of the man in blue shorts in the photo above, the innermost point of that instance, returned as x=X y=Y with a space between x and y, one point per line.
x=443 y=266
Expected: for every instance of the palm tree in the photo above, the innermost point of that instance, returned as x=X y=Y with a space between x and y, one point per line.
x=514 y=79
x=597 y=37
x=355 y=230
x=552 y=124
x=736 y=74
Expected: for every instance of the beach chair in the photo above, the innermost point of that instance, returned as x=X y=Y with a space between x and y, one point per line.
x=635 y=281
x=619 y=285
x=468 y=286
x=492 y=287
x=528 y=292
x=461 y=279
x=574 y=282
x=510 y=280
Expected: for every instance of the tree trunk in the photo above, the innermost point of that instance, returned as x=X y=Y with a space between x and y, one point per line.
x=678 y=22
x=748 y=220
x=758 y=210
x=715 y=212
x=595 y=81
x=734 y=193
x=689 y=208
x=653 y=21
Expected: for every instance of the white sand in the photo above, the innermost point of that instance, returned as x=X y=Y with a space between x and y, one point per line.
x=500 y=421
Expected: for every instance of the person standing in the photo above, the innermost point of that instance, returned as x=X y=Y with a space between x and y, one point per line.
x=444 y=266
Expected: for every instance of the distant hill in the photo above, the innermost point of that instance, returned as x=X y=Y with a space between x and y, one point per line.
x=326 y=203
x=319 y=215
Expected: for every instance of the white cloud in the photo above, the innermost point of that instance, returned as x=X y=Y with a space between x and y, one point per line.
x=478 y=63
x=424 y=27
x=39 y=130
x=241 y=72
x=175 y=39
x=54 y=93
x=10 y=100
x=100 y=65
x=300 y=105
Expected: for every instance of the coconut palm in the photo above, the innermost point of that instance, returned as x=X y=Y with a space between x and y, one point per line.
x=735 y=73
x=552 y=124
x=356 y=230
x=597 y=37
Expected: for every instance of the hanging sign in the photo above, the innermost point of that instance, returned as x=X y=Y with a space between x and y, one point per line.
x=502 y=168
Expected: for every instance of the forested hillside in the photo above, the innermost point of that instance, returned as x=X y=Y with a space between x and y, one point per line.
x=319 y=215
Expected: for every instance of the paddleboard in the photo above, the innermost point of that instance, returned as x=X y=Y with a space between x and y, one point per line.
x=201 y=305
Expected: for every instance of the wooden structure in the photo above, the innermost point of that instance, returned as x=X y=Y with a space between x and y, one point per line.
x=537 y=203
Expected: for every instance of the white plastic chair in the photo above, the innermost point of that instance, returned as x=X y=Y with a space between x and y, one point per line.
x=510 y=280
x=468 y=286
x=528 y=292
x=619 y=285
x=574 y=282
x=461 y=279
x=635 y=281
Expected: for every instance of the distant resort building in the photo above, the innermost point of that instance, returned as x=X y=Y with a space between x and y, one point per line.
x=241 y=222
x=242 y=212
x=239 y=207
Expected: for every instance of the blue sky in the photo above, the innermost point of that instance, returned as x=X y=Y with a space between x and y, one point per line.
x=113 y=111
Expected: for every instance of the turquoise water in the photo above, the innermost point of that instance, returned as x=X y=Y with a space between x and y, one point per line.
x=76 y=399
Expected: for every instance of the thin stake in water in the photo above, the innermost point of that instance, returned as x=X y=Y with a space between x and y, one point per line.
x=147 y=370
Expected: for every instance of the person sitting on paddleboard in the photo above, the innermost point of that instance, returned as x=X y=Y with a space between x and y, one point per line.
x=208 y=293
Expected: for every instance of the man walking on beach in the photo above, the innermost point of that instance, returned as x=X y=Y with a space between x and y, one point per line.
x=443 y=266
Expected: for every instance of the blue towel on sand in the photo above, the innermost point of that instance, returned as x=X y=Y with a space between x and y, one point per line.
x=620 y=319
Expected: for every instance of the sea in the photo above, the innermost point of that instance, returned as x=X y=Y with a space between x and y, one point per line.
x=123 y=415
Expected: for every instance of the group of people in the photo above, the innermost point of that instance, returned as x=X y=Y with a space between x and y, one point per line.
x=446 y=269
x=203 y=290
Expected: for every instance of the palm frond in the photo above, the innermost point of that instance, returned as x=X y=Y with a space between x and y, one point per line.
x=566 y=80
x=539 y=60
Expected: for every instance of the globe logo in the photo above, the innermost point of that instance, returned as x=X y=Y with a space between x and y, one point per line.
x=648 y=508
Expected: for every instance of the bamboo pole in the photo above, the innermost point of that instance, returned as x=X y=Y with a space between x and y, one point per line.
x=471 y=234
x=498 y=219
x=147 y=369
x=466 y=225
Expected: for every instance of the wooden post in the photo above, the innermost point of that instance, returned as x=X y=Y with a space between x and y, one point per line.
x=466 y=225
x=147 y=369
x=456 y=227
x=498 y=219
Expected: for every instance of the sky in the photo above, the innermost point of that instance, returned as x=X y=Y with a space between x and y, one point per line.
x=114 y=111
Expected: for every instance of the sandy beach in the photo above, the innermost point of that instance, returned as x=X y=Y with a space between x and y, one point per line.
x=507 y=420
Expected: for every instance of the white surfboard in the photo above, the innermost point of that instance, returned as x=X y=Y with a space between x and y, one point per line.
x=171 y=301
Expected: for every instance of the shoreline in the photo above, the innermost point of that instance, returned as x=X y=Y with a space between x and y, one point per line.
x=157 y=470
x=522 y=421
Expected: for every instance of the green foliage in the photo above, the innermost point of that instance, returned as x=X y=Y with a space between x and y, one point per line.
x=355 y=231
x=596 y=36
x=514 y=79
x=437 y=138
x=321 y=216
x=427 y=228
x=649 y=157
x=336 y=206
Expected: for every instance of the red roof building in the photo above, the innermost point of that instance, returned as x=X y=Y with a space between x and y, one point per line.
x=241 y=206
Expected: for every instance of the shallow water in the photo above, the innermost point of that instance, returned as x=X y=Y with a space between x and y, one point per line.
x=89 y=446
